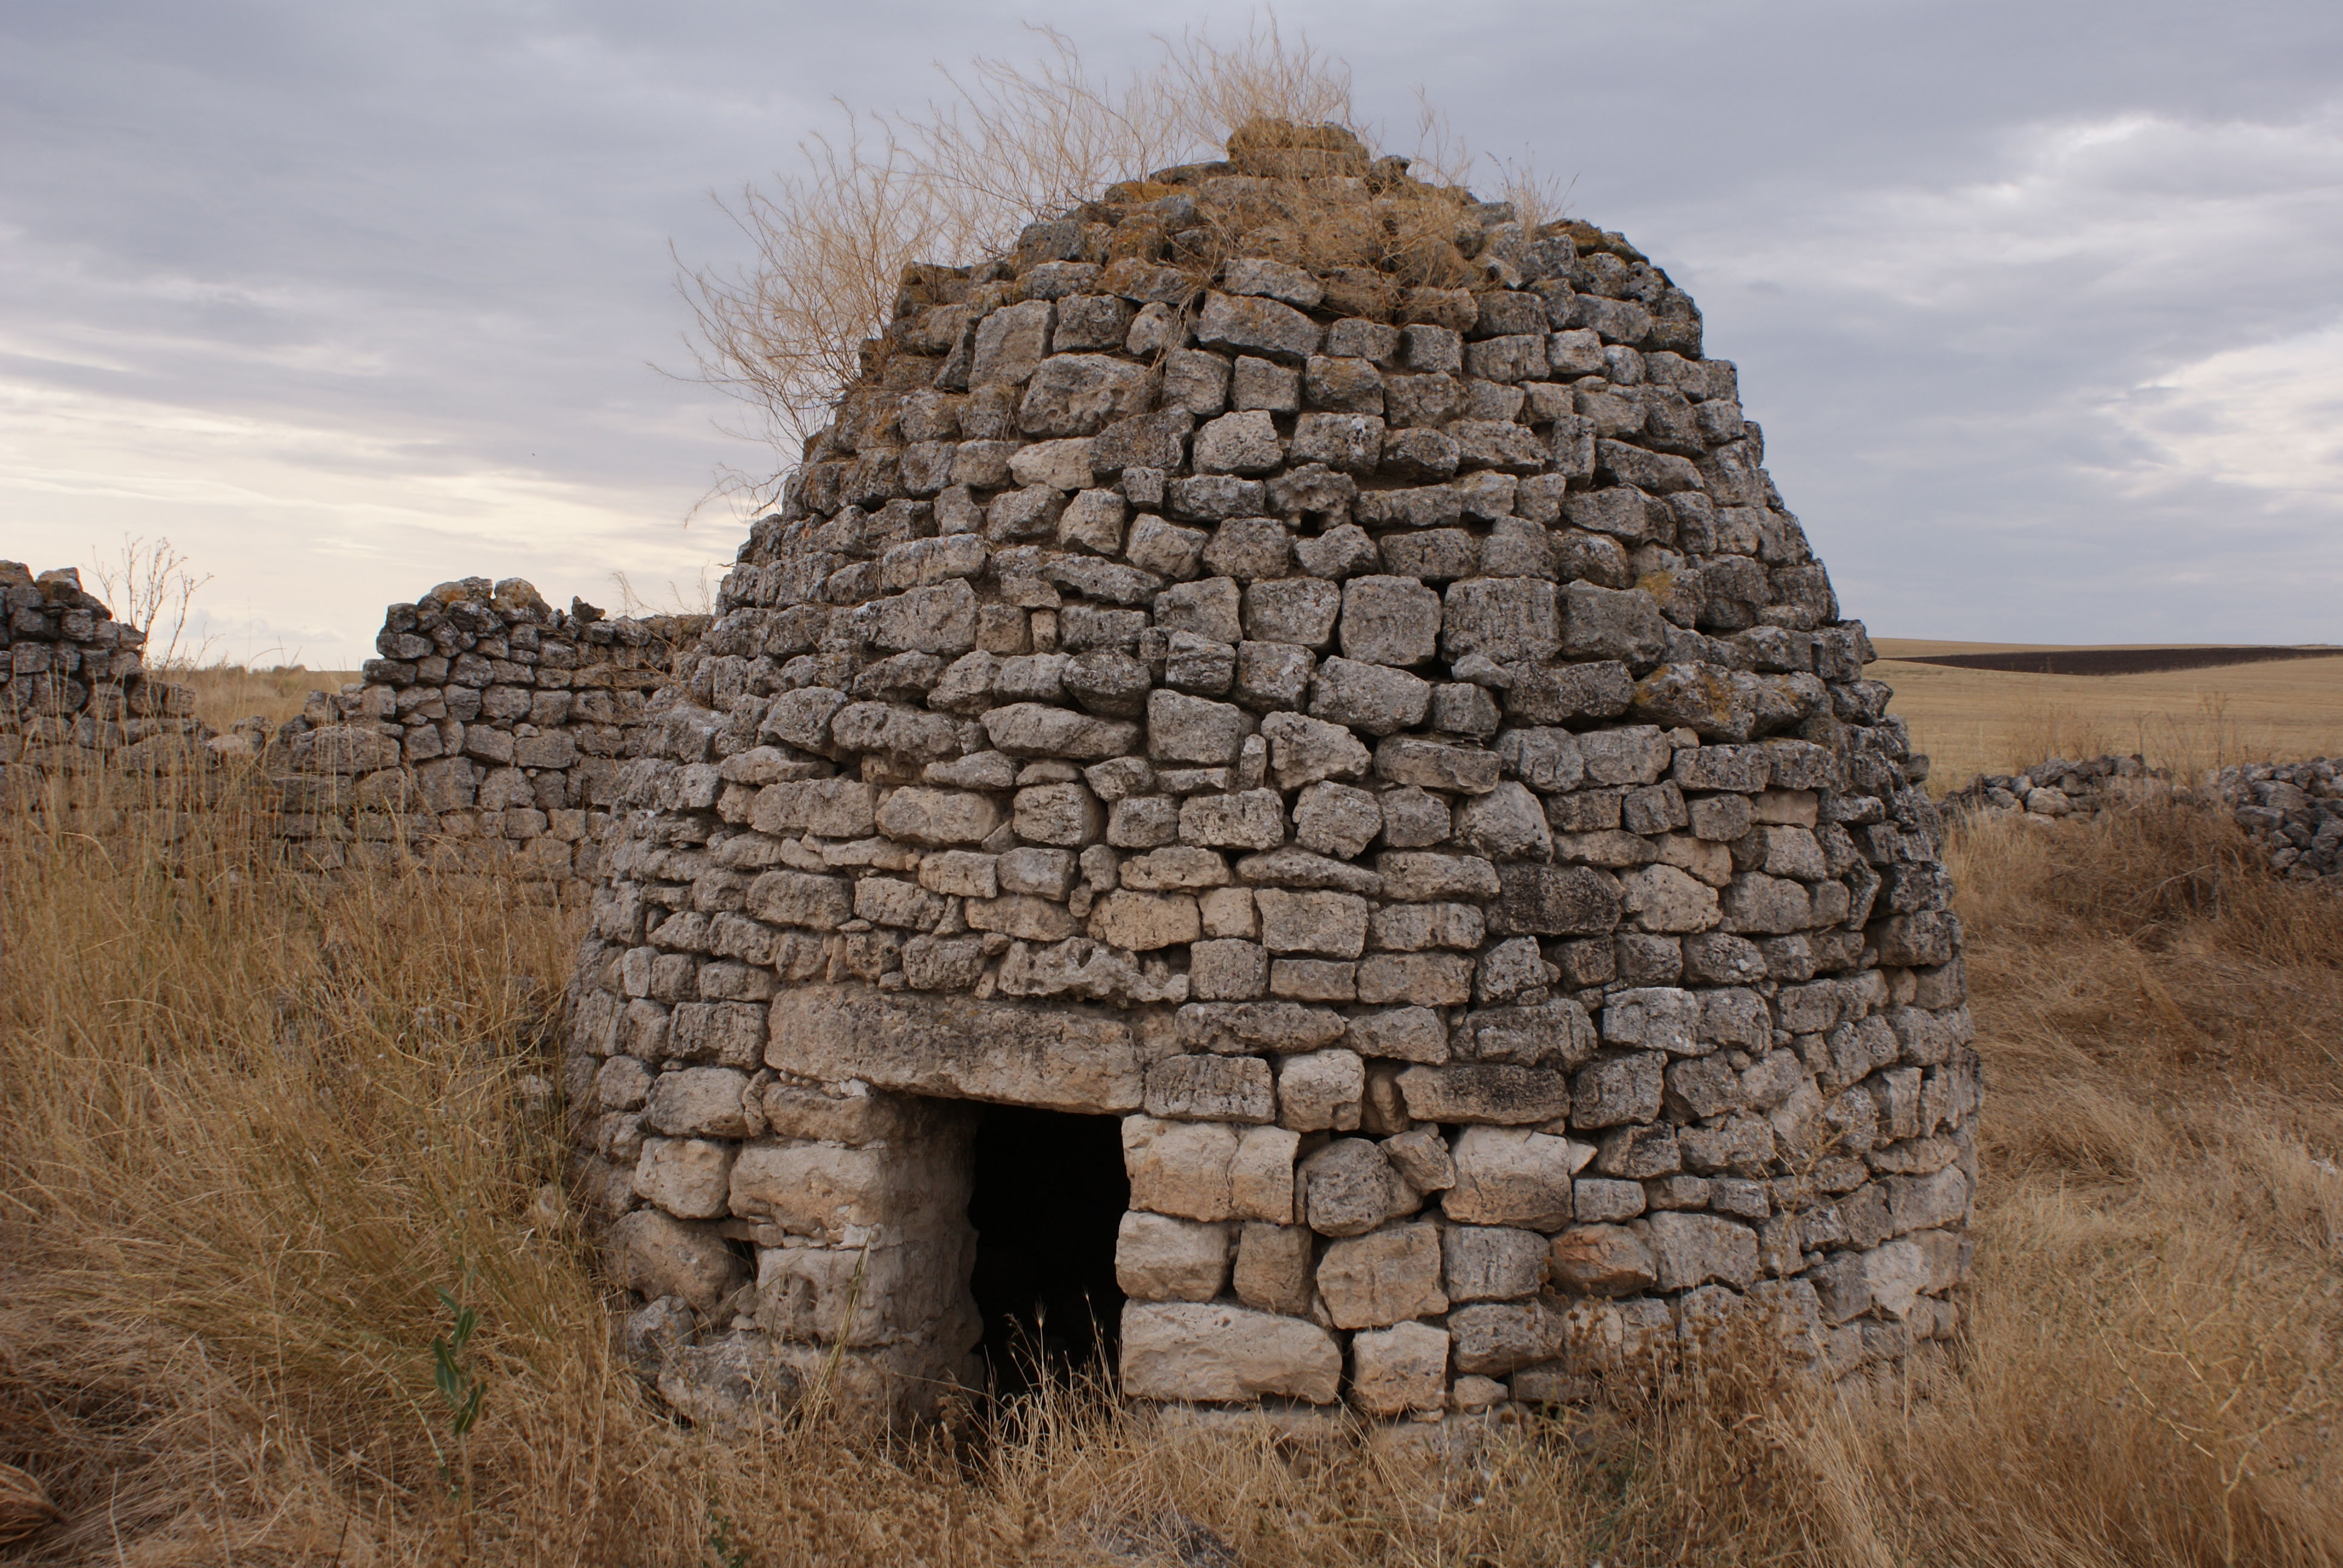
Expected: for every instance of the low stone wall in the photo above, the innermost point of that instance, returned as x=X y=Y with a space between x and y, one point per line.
x=490 y=735
x=2063 y=787
x=2293 y=812
x=74 y=694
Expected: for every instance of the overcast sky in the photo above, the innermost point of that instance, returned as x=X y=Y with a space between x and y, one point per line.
x=2040 y=304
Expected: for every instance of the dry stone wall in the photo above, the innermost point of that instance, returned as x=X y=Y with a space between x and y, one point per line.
x=2293 y=812
x=488 y=735
x=74 y=694
x=1390 y=745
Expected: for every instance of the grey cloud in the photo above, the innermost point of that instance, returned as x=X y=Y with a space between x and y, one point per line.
x=423 y=249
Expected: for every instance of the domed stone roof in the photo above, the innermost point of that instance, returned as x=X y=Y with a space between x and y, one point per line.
x=1314 y=667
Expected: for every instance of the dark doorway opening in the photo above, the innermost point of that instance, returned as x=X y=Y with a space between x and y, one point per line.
x=1048 y=1192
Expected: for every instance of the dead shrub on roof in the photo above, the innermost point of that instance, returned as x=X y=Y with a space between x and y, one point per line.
x=1008 y=143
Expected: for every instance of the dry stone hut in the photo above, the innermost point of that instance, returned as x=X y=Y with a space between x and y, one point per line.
x=1316 y=819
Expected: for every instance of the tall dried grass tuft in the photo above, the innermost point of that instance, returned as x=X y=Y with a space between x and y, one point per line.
x=1009 y=142
x=251 y=1124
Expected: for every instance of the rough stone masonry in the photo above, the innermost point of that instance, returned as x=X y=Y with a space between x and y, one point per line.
x=1389 y=745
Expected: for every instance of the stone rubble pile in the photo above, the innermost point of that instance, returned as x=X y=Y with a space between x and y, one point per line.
x=2063 y=787
x=2293 y=812
x=1390 y=745
x=488 y=736
x=74 y=694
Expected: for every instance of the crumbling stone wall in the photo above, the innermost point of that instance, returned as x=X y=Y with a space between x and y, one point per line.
x=1391 y=745
x=74 y=694
x=488 y=736
x=2293 y=812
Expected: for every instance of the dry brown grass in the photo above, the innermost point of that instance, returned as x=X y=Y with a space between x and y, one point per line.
x=1972 y=722
x=250 y=1125
x=226 y=694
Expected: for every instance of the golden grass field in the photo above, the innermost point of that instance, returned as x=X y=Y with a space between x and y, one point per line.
x=1972 y=722
x=250 y=1126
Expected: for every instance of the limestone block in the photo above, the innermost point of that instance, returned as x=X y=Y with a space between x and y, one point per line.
x=888 y=901
x=1603 y=1261
x=1412 y=876
x=1485 y=1092
x=1210 y=609
x=1161 y=1259
x=1321 y=1091
x=1329 y=924
x=1691 y=1250
x=1385 y=1277
x=1250 y=819
x=1060 y=1056
x=1389 y=620
x=1065 y=815
x=1371 y=699
x=1081 y=393
x=1621 y=1090
x=961 y=873
x=1432 y=765
x=1551 y=1034
x=1282 y=1027
x=1412 y=927
x=1511 y=1176
x=836 y=1194
x=1493 y=1338
x=1349 y=1188
x=1305 y=750
x=1011 y=344
x=1256 y=326
x=1400 y=1034
x=1224 y=1354
x=1430 y=981
x=1193 y=730
x=1492 y=1262
x=1143 y=922
x=1336 y=820
x=939 y=817
x=1509 y=619
x=1243 y=442
x=1508 y=823
x=1273 y=1269
x=1036 y=729
x=941 y=620
x=700 y=1102
x=1261 y=1176
x=1300 y=610
x=658 y=1255
x=1756 y=903
x=1421 y=1157
x=1212 y=1088
x=1671 y=901
x=1228 y=970
x=689 y=1177
x=1400 y=1369
x=1180 y=1168
x=861 y=1296
x=1026 y=917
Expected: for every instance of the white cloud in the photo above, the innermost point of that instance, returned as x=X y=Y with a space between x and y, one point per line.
x=2268 y=417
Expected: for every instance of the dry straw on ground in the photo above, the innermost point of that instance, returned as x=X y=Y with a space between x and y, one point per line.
x=253 y=1125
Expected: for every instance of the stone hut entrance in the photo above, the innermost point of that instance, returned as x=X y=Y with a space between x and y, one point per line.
x=1049 y=1191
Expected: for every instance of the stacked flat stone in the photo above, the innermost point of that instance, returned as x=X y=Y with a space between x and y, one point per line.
x=2064 y=787
x=74 y=694
x=488 y=736
x=2293 y=812
x=1390 y=745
